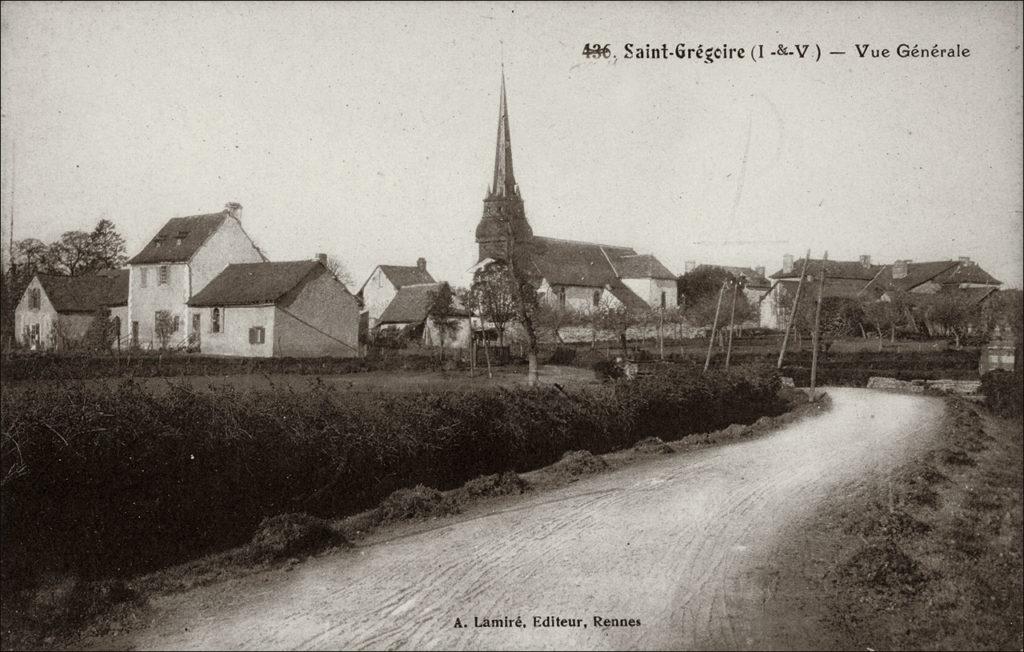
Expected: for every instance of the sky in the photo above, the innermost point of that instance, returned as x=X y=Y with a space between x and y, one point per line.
x=367 y=130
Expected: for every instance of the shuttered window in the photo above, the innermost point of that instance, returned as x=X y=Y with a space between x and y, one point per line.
x=165 y=273
x=256 y=335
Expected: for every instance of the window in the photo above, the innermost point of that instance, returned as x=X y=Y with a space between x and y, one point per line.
x=177 y=324
x=256 y=335
x=34 y=335
x=561 y=297
x=116 y=327
x=597 y=298
x=34 y=299
x=662 y=298
x=135 y=333
x=143 y=277
x=165 y=272
x=215 y=321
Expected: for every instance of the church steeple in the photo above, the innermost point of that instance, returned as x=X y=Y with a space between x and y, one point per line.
x=504 y=183
x=503 y=206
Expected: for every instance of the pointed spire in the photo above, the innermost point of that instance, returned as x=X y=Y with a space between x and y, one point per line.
x=504 y=184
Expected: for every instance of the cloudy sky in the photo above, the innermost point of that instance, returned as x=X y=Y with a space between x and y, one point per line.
x=367 y=130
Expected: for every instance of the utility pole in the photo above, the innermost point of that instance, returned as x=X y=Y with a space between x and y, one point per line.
x=714 y=327
x=732 y=320
x=817 y=324
x=792 y=313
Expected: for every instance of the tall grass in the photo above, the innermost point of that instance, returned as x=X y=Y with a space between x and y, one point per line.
x=109 y=481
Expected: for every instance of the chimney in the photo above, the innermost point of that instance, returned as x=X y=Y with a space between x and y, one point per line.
x=865 y=261
x=421 y=264
x=787 y=264
x=234 y=209
x=689 y=266
x=899 y=269
x=322 y=259
x=965 y=261
x=760 y=271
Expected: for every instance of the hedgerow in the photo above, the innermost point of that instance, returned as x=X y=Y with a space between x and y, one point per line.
x=102 y=480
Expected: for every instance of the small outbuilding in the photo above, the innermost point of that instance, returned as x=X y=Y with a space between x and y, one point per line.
x=408 y=311
x=58 y=312
x=283 y=309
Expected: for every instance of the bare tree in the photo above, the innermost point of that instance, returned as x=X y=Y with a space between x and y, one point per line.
x=340 y=270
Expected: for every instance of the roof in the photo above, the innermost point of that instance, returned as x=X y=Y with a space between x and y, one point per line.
x=630 y=299
x=972 y=296
x=641 y=266
x=86 y=293
x=411 y=303
x=568 y=262
x=943 y=272
x=846 y=288
x=401 y=275
x=754 y=278
x=851 y=269
x=245 y=284
x=179 y=239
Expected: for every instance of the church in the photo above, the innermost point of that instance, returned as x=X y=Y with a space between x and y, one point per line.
x=572 y=274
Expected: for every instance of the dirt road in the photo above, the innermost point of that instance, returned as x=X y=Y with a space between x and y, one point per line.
x=683 y=544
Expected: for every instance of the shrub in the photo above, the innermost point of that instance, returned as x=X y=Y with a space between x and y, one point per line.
x=1003 y=392
x=562 y=355
x=136 y=479
x=418 y=502
x=497 y=484
x=607 y=370
x=291 y=535
x=577 y=463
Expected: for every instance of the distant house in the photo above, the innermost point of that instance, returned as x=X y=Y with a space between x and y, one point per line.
x=181 y=259
x=864 y=281
x=408 y=311
x=56 y=312
x=384 y=283
x=284 y=309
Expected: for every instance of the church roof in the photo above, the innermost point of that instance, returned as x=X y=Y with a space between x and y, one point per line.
x=641 y=266
x=569 y=262
x=504 y=182
x=179 y=239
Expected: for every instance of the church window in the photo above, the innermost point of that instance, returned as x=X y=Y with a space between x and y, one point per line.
x=662 y=298
x=561 y=297
x=34 y=299
x=597 y=298
x=215 y=321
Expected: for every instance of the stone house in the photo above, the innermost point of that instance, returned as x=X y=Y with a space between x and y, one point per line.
x=56 y=312
x=181 y=259
x=383 y=284
x=282 y=309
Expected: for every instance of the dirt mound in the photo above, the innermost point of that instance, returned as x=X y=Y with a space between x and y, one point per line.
x=653 y=446
x=499 y=484
x=577 y=463
x=418 y=502
x=292 y=535
x=884 y=565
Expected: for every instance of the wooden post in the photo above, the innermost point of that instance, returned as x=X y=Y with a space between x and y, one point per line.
x=661 y=333
x=792 y=313
x=732 y=321
x=714 y=327
x=817 y=323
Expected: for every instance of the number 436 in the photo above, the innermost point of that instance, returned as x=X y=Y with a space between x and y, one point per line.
x=597 y=51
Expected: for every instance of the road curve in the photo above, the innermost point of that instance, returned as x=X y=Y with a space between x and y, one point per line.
x=679 y=543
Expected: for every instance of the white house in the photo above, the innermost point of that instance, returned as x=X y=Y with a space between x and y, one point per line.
x=284 y=309
x=56 y=312
x=184 y=256
x=384 y=283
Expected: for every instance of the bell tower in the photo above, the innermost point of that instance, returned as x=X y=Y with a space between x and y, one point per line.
x=503 y=214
